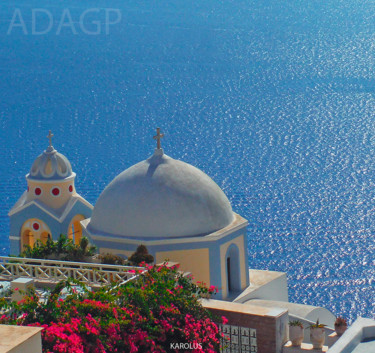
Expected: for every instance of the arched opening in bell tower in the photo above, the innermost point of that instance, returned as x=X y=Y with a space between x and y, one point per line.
x=75 y=229
x=27 y=239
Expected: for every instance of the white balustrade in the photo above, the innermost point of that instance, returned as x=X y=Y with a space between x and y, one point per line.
x=91 y=274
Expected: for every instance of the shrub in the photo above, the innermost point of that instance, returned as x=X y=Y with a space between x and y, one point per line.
x=141 y=255
x=78 y=252
x=111 y=259
x=63 y=248
x=146 y=315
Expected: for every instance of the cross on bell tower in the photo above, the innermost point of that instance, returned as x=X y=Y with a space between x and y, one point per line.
x=158 y=137
x=50 y=135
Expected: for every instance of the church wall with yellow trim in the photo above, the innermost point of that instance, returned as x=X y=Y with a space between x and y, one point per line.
x=195 y=261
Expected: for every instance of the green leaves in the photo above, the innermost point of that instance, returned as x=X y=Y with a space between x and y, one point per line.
x=141 y=255
x=296 y=323
x=317 y=325
x=63 y=248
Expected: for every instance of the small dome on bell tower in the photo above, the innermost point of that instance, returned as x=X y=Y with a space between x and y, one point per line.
x=51 y=179
x=50 y=165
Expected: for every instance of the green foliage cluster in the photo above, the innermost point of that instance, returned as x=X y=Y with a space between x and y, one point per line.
x=111 y=259
x=63 y=249
x=296 y=323
x=141 y=255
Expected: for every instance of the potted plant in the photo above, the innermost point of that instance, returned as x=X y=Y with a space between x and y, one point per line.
x=317 y=335
x=340 y=326
x=296 y=332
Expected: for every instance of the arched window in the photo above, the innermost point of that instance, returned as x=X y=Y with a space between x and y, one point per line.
x=233 y=272
x=32 y=230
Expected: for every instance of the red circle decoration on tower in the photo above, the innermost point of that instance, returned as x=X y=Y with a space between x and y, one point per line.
x=36 y=226
x=70 y=188
x=55 y=191
x=38 y=191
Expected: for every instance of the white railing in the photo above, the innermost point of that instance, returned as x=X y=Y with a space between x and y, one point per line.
x=53 y=271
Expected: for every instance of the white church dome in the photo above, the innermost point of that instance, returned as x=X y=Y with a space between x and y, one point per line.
x=159 y=198
x=50 y=165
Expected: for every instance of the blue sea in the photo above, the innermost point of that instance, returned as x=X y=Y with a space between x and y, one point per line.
x=273 y=99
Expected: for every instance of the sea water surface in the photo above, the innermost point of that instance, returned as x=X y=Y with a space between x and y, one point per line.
x=272 y=99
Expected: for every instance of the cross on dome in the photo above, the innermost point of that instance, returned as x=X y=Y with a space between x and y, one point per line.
x=158 y=137
x=50 y=135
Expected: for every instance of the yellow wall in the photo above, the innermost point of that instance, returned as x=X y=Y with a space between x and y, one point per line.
x=195 y=261
x=127 y=253
x=46 y=197
x=239 y=241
